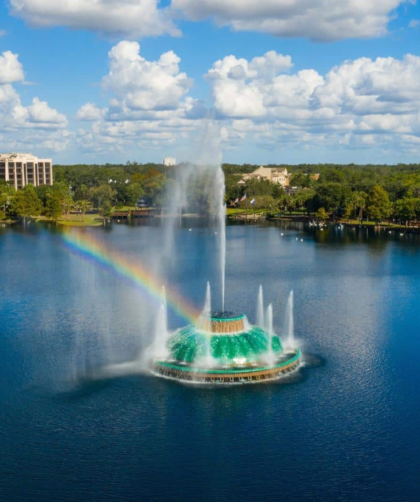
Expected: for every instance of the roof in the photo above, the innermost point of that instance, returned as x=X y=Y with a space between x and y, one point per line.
x=16 y=157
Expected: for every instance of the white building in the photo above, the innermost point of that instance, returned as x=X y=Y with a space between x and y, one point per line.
x=277 y=175
x=169 y=161
x=21 y=169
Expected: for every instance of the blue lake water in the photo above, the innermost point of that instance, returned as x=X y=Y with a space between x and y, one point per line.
x=345 y=428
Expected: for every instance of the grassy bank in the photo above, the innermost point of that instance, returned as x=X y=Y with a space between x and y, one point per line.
x=76 y=220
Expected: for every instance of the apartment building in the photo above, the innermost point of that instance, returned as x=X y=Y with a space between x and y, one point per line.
x=21 y=169
x=169 y=161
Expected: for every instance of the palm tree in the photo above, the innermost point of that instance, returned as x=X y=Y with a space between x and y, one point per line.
x=83 y=206
x=359 y=202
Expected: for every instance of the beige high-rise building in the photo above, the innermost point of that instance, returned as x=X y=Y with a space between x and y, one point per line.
x=21 y=169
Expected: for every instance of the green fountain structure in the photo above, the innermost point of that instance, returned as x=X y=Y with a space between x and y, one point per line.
x=223 y=348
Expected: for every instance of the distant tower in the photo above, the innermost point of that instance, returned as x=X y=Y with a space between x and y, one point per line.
x=169 y=161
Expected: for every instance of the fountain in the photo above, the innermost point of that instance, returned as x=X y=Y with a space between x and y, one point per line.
x=223 y=347
x=218 y=346
x=226 y=349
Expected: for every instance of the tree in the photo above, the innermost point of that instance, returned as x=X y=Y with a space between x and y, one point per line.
x=83 y=206
x=68 y=204
x=53 y=206
x=321 y=214
x=263 y=202
x=6 y=194
x=106 y=210
x=378 y=205
x=356 y=205
x=102 y=196
x=81 y=193
x=26 y=203
x=285 y=203
x=333 y=197
x=359 y=200
x=134 y=192
x=405 y=209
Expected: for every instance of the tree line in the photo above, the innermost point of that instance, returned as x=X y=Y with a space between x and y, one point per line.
x=82 y=190
x=342 y=191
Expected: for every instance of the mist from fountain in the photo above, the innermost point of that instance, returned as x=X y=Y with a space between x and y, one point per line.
x=290 y=322
x=260 y=308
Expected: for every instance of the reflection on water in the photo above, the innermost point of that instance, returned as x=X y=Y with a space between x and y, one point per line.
x=344 y=428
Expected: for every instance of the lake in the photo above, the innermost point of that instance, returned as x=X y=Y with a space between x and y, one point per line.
x=345 y=428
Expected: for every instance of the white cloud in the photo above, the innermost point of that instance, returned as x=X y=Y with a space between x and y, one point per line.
x=357 y=104
x=19 y=124
x=315 y=19
x=414 y=23
x=119 y=18
x=11 y=69
x=377 y=98
x=145 y=85
x=2 y=33
x=40 y=113
x=148 y=102
x=90 y=112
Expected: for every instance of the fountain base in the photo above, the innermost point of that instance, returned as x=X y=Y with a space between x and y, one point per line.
x=229 y=375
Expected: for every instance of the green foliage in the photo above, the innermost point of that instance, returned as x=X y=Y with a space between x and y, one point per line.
x=331 y=196
x=83 y=206
x=53 y=206
x=106 y=210
x=26 y=203
x=134 y=192
x=378 y=205
x=340 y=190
x=103 y=195
x=356 y=205
x=7 y=193
x=406 y=209
x=321 y=214
x=264 y=202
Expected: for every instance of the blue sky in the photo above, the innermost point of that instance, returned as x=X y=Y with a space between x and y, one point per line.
x=265 y=111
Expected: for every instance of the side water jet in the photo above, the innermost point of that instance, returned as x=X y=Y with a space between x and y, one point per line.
x=260 y=308
x=290 y=322
x=161 y=329
x=270 y=331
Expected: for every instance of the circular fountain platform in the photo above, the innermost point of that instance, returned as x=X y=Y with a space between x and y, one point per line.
x=224 y=348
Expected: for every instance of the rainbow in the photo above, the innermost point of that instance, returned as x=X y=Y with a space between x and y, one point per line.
x=90 y=249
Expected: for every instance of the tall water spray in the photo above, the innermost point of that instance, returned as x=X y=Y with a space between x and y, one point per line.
x=222 y=230
x=269 y=328
x=290 y=322
x=260 y=308
x=205 y=177
x=161 y=329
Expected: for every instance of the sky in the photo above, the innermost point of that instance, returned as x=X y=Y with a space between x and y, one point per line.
x=279 y=81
